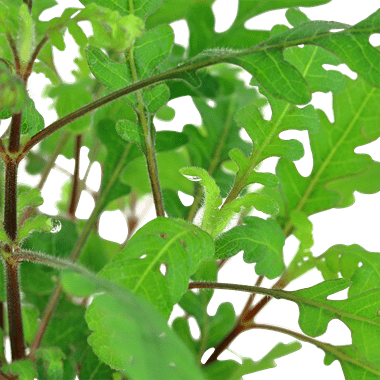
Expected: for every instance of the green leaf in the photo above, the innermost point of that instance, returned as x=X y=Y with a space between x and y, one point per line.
x=232 y=370
x=30 y=315
x=92 y=368
x=75 y=284
x=180 y=246
x=52 y=362
x=131 y=132
x=345 y=260
x=156 y=351
x=169 y=140
x=57 y=40
x=105 y=129
x=32 y=198
x=331 y=182
x=141 y=8
x=359 y=313
x=24 y=368
x=152 y=48
x=262 y=242
x=296 y=17
x=215 y=219
x=173 y=206
x=166 y=113
x=39 y=223
x=31 y=120
x=68 y=97
x=169 y=165
x=78 y=34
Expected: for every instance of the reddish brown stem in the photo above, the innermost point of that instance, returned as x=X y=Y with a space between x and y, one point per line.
x=10 y=207
x=14 y=140
x=33 y=58
x=76 y=183
x=16 y=331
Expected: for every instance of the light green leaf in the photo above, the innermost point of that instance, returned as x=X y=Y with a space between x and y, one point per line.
x=32 y=198
x=179 y=246
x=262 y=242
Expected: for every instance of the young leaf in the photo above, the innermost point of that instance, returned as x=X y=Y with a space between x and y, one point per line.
x=91 y=367
x=262 y=242
x=179 y=246
x=214 y=219
x=39 y=223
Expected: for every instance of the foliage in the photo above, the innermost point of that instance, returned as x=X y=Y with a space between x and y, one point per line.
x=75 y=305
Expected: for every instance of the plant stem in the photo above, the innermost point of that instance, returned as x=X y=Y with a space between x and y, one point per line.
x=247 y=314
x=14 y=140
x=16 y=331
x=150 y=153
x=75 y=192
x=14 y=52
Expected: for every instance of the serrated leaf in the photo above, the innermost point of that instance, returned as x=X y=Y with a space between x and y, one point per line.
x=262 y=242
x=180 y=246
x=39 y=223
x=91 y=367
x=32 y=198
x=75 y=284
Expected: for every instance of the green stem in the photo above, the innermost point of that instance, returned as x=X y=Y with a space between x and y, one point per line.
x=75 y=191
x=150 y=153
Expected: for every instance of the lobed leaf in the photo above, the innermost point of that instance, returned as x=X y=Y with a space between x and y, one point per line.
x=180 y=246
x=262 y=242
x=23 y=368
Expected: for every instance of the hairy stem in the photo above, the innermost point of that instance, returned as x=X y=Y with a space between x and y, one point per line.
x=16 y=331
x=150 y=152
x=75 y=191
